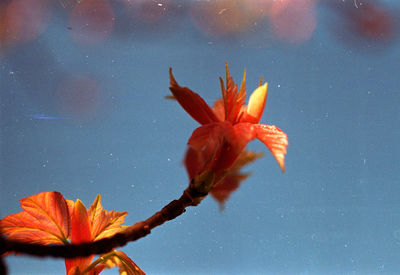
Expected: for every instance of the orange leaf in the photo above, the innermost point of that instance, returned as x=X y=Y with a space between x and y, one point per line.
x=80 y=226
x=46 y=220
x=105 y=223
x=276 y=141
x=80 y=233
x=232 y=98
x=90 y=225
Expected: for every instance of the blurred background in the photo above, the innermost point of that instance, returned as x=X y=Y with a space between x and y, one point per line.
x=83 y=112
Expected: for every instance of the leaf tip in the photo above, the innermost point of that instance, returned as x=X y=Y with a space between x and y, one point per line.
x=172 y=80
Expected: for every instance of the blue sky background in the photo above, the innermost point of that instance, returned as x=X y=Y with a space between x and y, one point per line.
x=336 y=210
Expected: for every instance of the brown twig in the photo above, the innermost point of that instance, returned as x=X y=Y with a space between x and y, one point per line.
x=197 y=190
x=3 y=268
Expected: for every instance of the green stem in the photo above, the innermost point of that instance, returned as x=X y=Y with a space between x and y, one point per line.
x=101 y=259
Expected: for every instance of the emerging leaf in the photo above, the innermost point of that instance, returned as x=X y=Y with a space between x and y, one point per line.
x=80 y=226
x=191 y=102
x=119 y=259
x=80 y=233
x=232 y=180
x=218 y=143
x=256 y=105
x=105 y=223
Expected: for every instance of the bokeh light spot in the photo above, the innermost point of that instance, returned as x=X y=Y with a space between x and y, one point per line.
x=224 y=17
x=293 y=21
x=78 y=97
x=22 y=21
x=91 y=22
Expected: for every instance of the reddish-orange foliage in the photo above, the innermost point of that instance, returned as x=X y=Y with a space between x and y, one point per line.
x=231 y=181
x=48 y=218
x=227 y=127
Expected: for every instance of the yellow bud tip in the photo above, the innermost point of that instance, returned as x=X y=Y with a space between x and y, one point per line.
x=257 y=100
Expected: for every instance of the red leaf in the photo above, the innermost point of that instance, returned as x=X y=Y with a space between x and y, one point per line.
x=232 y=98
x=80 y=225
x=276 y=141
x=192 y=103
x=46 y=220
x=223 y=189
x=232 y=180
x=218 y=145
x=80 y=233
x=213 y=144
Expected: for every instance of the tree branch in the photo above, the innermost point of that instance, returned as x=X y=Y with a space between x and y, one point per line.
x=192 y=196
